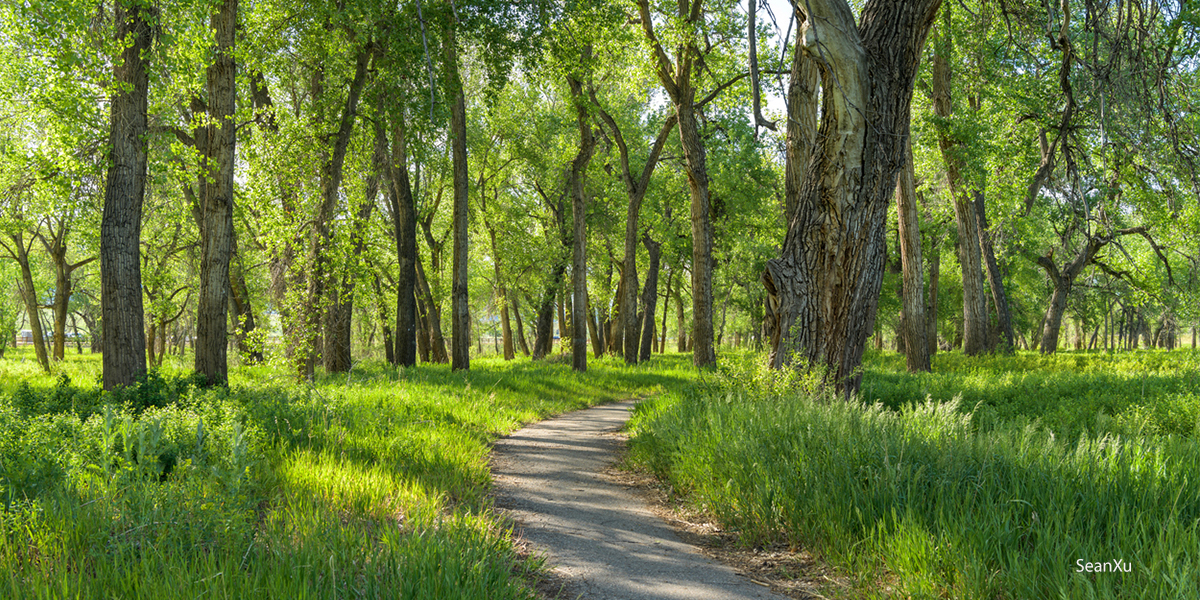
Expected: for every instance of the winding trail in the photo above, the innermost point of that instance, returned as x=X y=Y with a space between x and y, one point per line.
x=600 y=537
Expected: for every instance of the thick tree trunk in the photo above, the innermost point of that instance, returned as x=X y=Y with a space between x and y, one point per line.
x=125 y=186
x=975 y=319
x=914 y=331
x=216 y=147
x=649 y=297
x=460 y=316
x=404 y=231
x=823 y=291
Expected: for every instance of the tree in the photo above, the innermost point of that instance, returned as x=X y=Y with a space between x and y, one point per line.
x=679 y=77
x=823 y=291
x=125 y=185
x=216 y=143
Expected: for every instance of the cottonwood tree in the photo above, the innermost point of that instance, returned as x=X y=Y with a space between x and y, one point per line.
x=692 y=29
x=823 y=291
x=125 y=185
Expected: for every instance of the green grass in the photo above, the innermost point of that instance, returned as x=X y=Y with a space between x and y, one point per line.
x=1129 y=393
x=929 y=500
x=367 y=485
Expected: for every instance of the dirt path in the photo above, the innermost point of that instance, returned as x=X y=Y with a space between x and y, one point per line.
x=598 y=536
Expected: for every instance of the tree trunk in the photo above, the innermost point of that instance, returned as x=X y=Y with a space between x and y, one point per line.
x=975 y=319
x=649 y=297
x=562 y=322
x=703 y=354
x=594 y=330
x=823 y=291
x=216 y=147
x=389 y=349
x=995 y=278
x=587 y=146
x=931 y=309
x=121 y=225
x=681 y=341
x=662 y=342
x=913 y=325
x=322 y=231
x=677 y=80
x=460 y=316
x=437 y=342
x=404 y=229
x=543 y=341
x=243 y=312
x=516 y=308
x=29 y=297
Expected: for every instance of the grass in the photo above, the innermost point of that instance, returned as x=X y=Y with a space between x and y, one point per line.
x=367 y=485
x=929 y=498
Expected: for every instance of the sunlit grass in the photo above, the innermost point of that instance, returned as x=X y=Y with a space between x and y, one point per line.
x=370 y=484
x=925 y=501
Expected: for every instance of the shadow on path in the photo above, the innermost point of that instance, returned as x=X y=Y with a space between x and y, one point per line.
x=598 y=535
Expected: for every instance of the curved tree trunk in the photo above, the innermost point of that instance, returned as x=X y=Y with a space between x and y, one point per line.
x=125 y=186
x=824 y=289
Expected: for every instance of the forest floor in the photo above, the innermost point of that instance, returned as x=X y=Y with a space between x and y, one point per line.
x=603 y=531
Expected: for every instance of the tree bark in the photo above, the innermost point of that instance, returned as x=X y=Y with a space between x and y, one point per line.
x=437 y=341
x=216 y=144
x=995 y=278
x=916 y=346
x=649 y=297
x=516 y=309
x=587 y=147
x=322 y=231
x=676 y=79
x=823 y=291
x=404 y=229
x=125 y=185
x=28 y=292
x=975 y=318
x=460 y=316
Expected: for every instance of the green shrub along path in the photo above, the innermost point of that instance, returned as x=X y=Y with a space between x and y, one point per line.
x=1019 y=479
x=372 y=484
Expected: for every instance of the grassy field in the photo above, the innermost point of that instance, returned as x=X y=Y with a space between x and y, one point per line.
x=1017 y=478
x=366 y=485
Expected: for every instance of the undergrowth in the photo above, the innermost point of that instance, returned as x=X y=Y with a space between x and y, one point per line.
x=924 y=500
x=370 y=484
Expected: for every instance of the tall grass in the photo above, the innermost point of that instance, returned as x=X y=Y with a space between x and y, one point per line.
x=921 y=501
x=366 y=485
